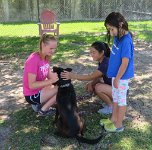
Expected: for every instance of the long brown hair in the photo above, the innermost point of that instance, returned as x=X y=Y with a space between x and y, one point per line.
x=114 y=19
x=45 y=38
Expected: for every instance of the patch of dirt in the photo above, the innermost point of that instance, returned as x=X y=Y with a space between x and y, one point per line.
x=139 y=103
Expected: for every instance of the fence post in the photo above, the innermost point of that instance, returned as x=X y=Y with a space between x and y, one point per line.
x=38 y=11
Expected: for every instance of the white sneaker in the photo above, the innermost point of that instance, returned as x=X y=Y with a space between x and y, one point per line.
x=36 y=107
x=106 y=110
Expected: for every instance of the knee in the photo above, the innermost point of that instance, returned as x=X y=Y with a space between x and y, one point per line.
x=98 y=88
x=53 y=89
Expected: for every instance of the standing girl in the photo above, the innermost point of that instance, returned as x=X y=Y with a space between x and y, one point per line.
x=100 y=83
x=38 y=78
x=121 y=68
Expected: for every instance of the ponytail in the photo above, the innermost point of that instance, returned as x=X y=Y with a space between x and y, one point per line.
x=100 y=47
x=45 y=38
x=106 y=50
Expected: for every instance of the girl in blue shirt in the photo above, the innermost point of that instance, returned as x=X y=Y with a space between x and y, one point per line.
x=120 y=69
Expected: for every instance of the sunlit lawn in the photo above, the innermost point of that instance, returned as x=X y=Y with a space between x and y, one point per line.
x=142 y=29
x=18 y=40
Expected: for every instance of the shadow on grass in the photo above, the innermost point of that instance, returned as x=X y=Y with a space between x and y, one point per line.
x=142 y=31
x=132 y=139
x=141 y=87
x=72 y=46
x=146 y=35
x=15 y=46
x=29 y=131
x=21 y=47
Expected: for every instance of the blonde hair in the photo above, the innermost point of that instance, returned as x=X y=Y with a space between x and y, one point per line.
x=45 y=38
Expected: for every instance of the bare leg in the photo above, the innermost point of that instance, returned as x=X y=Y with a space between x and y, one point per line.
x=104 y=92
x=114 y=112
x=120 y=117
x=48 y=97
x=49 y=103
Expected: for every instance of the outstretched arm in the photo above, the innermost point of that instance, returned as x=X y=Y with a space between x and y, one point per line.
x=70 y=75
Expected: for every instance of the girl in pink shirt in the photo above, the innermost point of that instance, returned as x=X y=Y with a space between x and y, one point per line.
x=38 y=78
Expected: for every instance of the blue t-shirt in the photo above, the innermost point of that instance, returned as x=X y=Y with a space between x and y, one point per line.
x=121 y=48
x=102 y=67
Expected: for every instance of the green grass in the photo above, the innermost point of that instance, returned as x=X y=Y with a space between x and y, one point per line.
x=31 y=29
x=31 y=132
x=70 y=43
x=22 y=38
x=68 y=46
x=142 y=29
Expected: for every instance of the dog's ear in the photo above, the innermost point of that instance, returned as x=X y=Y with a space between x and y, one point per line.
x=68 y=69
x=57 y=70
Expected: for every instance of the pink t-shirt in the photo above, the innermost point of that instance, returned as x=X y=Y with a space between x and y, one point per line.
x=35 y=65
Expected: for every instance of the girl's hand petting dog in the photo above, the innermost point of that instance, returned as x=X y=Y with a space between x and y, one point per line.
x=89 y=87
x=67 y=75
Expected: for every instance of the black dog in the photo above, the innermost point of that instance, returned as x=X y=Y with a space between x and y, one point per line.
x=67 y=119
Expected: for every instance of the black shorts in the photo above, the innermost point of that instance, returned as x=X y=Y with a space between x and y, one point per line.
x=34 y=99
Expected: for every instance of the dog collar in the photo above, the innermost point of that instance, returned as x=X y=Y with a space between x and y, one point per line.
x=65 y=85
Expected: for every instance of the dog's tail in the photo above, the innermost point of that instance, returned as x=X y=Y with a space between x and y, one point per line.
x=82 y=139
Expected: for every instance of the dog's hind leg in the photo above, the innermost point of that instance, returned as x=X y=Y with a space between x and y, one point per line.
x=83 y=127
x=56 y=115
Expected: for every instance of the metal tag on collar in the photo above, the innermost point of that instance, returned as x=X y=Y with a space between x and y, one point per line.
x=65 y=85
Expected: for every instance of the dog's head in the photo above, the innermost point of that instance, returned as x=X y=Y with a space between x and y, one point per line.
x=61 y=82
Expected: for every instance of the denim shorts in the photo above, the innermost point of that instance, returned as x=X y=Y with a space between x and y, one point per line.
x=33 y=99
